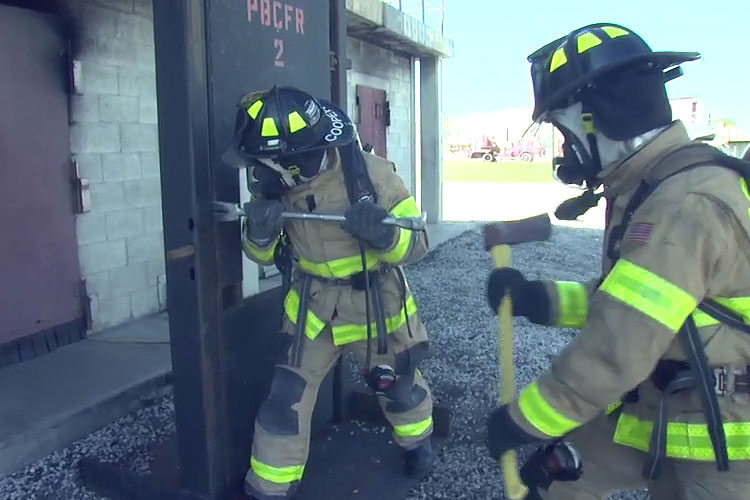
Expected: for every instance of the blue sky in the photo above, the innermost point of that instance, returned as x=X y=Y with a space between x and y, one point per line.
x=493 y=37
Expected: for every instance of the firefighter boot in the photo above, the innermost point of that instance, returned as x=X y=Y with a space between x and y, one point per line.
x=419 y=461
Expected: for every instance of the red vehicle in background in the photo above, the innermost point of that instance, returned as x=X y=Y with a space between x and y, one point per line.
x=526 y=150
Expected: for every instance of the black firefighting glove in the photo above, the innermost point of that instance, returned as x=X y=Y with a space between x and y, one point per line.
x=504 y=434
x=364 y=221
x=264 y=221
x=529 y=298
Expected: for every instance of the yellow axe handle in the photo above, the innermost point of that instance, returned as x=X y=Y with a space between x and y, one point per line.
x=514 y=487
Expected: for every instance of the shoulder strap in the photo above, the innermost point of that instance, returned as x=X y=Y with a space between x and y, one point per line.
x=690 y=156
x=356 y=178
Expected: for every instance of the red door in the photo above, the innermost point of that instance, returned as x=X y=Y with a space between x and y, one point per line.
x=373 y=121
x=39 y=274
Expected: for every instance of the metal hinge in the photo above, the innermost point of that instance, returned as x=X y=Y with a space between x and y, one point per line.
x=87 y=307
x=81 y=192
x=334 y=62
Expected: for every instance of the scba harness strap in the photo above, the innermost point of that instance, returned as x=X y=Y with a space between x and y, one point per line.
x=697 y=375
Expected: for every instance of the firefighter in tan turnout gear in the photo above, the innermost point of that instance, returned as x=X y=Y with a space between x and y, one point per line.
x=305 y=157
x=653 y=392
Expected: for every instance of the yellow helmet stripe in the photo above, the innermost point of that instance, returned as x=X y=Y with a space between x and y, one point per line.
x=269 y=128
x=558 y=59
x=614 y=31
x=254 y=109
x=296 y=122
x=586 y=41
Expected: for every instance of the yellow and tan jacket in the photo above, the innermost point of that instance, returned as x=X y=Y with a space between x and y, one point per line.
x=325 y=250
x=687 y=241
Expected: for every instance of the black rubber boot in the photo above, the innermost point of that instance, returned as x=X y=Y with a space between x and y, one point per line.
x=419 y=461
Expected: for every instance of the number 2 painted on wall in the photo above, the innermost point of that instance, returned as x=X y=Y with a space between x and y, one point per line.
x=279 y=46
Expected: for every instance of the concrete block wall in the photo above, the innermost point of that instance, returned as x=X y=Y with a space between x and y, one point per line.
x=379 y=68
x=115 y=141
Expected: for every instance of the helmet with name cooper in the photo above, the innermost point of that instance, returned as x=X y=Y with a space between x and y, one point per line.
x=286 y=121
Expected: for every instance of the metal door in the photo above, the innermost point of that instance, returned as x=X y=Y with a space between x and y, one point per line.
x=39 y=273
x=373 y=118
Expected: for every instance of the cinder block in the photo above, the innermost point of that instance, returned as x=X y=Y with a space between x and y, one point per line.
x=84 y=108
x=145 y=247
x=90 y=228
x=98 y=78
x=113 y=311
x=97 y=21
x=147 y=112
x=94 y=138
x=152 y=219
x=126 y=28
x=142 y=193
x=116 y=51
x=146 y=30
x=156 y=268
x=118 y=108
x=121 y=166
x=133 y=81
x=144 y=8
x=102 y=256
x=98 y=284
x=150 y=165
x=121 y=5
x=107 y=196
x=146 y=55
x=139 y=137
x=145 y=301
x=124 y=223
x=90 y=166
x=163 y=292
x=128 y=279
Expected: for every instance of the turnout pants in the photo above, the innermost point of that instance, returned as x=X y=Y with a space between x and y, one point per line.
x=609 y=467
x=282 y=426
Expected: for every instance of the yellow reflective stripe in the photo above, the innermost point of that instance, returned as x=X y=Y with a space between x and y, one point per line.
x=278 y=475
x=684 y=440
x=269 y=128
x=740 y=305
x=313 y=324
x=541 y=414
x=558 y=59
x=586 y=41
x=254 y=109
x=613 y=406
x=337 y=268
x=746 y=193
x=413 y=430
x=573 y=303
x=261 y=254
x=405 y=208
x=344 y=334
x=296 y=122
x=614 y=31
x=649 y=293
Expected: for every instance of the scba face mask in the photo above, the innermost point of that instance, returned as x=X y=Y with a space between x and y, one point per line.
x=577 y=166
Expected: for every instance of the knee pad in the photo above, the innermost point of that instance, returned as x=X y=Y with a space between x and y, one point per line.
x=404 y=396
x=276 y=415
x=408 y=360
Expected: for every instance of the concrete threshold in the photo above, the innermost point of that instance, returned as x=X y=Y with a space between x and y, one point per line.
x=49 y=402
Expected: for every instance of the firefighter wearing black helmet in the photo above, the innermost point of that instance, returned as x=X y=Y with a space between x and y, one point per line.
x=654 y=390
x=345 y=286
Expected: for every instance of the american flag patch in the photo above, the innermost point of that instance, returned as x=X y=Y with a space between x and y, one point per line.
x=639 y=232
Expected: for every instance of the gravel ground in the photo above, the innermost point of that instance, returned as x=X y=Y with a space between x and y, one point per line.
x=449 y=286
